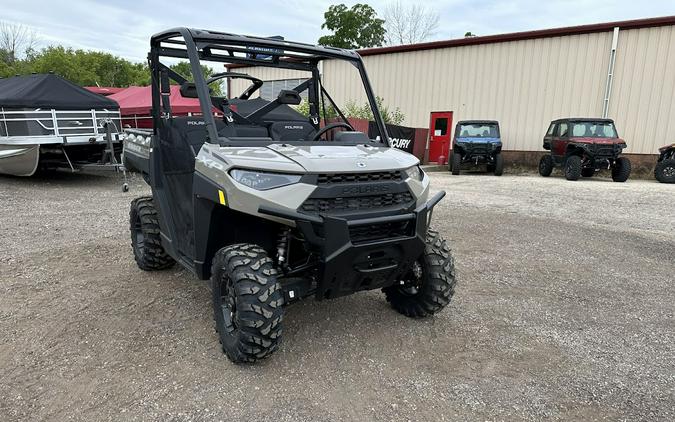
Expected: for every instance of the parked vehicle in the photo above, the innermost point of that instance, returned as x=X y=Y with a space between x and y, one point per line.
x=477 y=142
x=47 y=122
x=665 y=167
x=263 y=204
x=583 y=146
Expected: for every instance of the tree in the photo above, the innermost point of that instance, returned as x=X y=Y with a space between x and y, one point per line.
x=469 y=35
x=89 y=67
x=409 y=24
x=16 y=40
x=358 y=27
x=81 y=67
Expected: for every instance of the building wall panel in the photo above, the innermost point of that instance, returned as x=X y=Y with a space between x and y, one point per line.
x=524 y=84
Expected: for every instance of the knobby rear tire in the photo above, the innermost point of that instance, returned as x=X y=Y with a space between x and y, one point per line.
x=665 y=171
x=545 y=166
x=146 y=240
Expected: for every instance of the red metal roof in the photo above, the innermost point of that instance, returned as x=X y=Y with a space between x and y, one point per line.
x=517 y=36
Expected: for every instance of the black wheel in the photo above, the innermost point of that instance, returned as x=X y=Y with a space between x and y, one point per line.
x=456 y=162
x=146 y=241
x=573 y=167
x=247 y=302
x=665 y=171
x=546 y=165
x=499 y=165
x=587 y=172
x=125 y=187
x=621 y=169
x=429 y=285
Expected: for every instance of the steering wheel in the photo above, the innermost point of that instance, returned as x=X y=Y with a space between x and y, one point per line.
x=331 y=126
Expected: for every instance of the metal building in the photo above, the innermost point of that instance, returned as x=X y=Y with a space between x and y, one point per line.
x=623 y=70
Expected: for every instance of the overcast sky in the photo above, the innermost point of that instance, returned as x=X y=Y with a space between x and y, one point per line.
x=123 y=27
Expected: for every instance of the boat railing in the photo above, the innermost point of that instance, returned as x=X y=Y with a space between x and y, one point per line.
x=57 y=122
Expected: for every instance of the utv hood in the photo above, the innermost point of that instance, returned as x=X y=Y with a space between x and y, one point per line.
x=666 y=148
x=593 y=140
x=337 y=158
x=310 y=159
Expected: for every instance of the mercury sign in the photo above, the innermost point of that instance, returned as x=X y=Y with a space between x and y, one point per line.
x=401 y=137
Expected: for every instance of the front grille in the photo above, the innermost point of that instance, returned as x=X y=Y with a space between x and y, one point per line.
x=371 y=232
x=478 y=149
x=606 y=150
x=371 y=202
x=380 y=176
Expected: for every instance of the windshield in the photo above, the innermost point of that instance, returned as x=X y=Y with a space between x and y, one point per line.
x=593 y=130
x=478 y=130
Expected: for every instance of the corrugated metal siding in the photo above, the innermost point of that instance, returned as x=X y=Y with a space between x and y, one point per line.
x=643 y=94
x=526 y=84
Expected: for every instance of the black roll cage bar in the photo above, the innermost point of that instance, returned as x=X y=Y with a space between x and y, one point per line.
x=197 y=45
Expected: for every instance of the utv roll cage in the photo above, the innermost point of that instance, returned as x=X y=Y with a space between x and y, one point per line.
x=196 y=45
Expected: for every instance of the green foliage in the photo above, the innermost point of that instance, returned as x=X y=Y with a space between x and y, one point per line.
x=86 y=68
x=329 y=112
x=364 y=111
x=357 y=27
x=353 y=110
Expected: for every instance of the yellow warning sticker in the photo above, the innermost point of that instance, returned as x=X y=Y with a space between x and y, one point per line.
x=221 y=196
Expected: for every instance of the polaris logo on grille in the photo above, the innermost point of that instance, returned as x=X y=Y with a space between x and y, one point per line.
x=356 y=190
x=294 y=127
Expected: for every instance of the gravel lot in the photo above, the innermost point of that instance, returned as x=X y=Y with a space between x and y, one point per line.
x=564 y=310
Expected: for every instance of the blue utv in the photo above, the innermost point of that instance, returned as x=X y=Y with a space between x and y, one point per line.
x=477 y=142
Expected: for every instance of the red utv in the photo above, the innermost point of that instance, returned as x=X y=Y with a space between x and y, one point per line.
x=583 y=146
x=665 y=168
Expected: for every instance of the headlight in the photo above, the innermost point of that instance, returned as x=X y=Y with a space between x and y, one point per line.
x=263 y=180
x=415 y=173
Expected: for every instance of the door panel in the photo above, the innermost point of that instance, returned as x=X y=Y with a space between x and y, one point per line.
x=440 y=127
x=560 y=140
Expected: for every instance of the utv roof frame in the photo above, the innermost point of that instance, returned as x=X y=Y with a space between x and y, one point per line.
x=199 y=44
x=487 y=122
x=583 y=119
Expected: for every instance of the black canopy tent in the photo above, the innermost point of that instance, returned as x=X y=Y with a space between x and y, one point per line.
x=49 y=91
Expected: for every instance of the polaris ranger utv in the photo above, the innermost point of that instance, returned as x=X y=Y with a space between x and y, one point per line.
x=582 y=147
x=274 y=206
x=665 y=167
x=477 y=142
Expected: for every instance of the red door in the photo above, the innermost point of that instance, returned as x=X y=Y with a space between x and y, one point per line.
x=439 y=136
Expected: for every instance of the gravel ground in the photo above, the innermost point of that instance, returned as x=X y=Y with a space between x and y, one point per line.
x=564 y=310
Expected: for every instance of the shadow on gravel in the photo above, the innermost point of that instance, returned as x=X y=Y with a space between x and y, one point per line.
x=68 y=179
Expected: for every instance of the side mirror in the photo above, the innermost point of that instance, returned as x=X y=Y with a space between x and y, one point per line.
x=288 y=96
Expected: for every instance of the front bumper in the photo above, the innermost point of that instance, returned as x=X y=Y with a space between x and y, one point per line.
x=601 y=152
x=350 y=261
x=484 y=151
